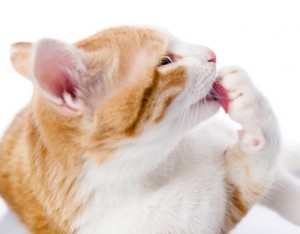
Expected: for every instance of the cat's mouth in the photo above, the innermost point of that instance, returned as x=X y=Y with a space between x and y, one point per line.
x=218 y=94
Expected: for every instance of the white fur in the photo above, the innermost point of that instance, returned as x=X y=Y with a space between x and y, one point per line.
x=284 y=196
x=171 y=178
x=291 y=158
x=155 y=192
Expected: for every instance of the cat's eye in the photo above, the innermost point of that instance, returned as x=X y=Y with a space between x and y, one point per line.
x=165 y=60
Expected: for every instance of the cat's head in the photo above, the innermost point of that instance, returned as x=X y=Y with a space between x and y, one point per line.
x=122 y=82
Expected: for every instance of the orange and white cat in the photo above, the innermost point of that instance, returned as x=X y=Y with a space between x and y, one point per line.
x=119 y=138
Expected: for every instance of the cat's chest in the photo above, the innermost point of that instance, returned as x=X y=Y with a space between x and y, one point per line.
x=163 y=213
x=192 y=201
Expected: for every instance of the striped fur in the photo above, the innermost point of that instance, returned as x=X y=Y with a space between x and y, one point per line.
x=104 y=144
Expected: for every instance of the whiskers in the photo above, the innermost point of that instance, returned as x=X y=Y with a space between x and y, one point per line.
x=195 y=105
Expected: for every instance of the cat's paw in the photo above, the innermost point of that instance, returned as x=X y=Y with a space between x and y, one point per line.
x=240 y=91
x=245 y=104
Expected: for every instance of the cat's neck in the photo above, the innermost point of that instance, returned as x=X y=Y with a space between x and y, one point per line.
x=136 y=158
x=132 y=159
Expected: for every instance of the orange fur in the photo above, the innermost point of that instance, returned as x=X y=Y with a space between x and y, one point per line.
x=43 y=151
x=20 y=58
x=240 y=198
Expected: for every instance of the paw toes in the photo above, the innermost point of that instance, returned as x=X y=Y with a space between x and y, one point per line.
x=229 y=70
x=234 y=79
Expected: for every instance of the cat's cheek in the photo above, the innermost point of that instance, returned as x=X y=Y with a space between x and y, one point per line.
x=201 y=77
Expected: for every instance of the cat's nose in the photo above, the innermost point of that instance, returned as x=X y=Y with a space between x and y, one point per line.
x=212 y=58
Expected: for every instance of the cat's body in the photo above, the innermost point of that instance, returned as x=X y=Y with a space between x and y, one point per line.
x=109 y=143
x=184 y=194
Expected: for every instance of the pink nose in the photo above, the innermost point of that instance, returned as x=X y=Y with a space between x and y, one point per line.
x=213 y=58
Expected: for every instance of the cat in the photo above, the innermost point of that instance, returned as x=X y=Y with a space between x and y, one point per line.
x=122 y=136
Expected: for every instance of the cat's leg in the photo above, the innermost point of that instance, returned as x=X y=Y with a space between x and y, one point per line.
x=290 y=157
x=252 y=161
x=284 y=196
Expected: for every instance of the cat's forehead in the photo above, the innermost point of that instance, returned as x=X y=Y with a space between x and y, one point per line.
x=127 y=38
x=131 y=51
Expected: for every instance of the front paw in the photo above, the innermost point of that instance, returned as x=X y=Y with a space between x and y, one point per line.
x=246 y=105
x=241 y=93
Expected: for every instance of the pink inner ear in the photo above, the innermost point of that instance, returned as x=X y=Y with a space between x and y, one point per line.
x=57 y=68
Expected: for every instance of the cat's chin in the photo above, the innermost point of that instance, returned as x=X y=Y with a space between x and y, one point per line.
x=202 y=111
x=209 y=109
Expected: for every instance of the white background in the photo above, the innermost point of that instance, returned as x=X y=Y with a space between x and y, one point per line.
x=262 y=36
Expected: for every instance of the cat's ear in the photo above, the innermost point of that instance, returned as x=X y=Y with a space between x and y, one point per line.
x=20 y=55
x=57 y=70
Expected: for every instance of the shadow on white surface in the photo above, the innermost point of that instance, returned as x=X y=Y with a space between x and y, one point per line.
x=260 y=220
x=9 y=223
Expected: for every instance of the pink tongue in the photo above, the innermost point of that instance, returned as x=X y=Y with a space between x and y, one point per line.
x=221 y=96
